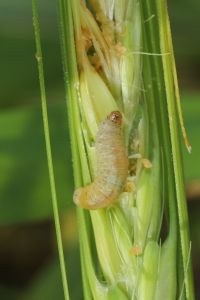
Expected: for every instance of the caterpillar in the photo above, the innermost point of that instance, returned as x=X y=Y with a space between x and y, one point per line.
x=111 y=166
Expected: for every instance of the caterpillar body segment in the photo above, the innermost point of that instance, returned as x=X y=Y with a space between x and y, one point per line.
x=111 y=166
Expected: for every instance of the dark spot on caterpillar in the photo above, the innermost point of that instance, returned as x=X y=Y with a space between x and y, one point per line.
x=115 y=117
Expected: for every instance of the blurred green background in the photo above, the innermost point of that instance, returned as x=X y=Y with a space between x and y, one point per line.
x=29 y=267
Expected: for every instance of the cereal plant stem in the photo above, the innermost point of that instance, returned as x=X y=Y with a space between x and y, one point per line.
x=48 y=149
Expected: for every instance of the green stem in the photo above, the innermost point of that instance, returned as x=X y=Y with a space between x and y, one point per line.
x=48 y=148
x=171 y=86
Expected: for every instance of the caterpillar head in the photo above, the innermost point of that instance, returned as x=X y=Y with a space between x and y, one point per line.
x=115 y=117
